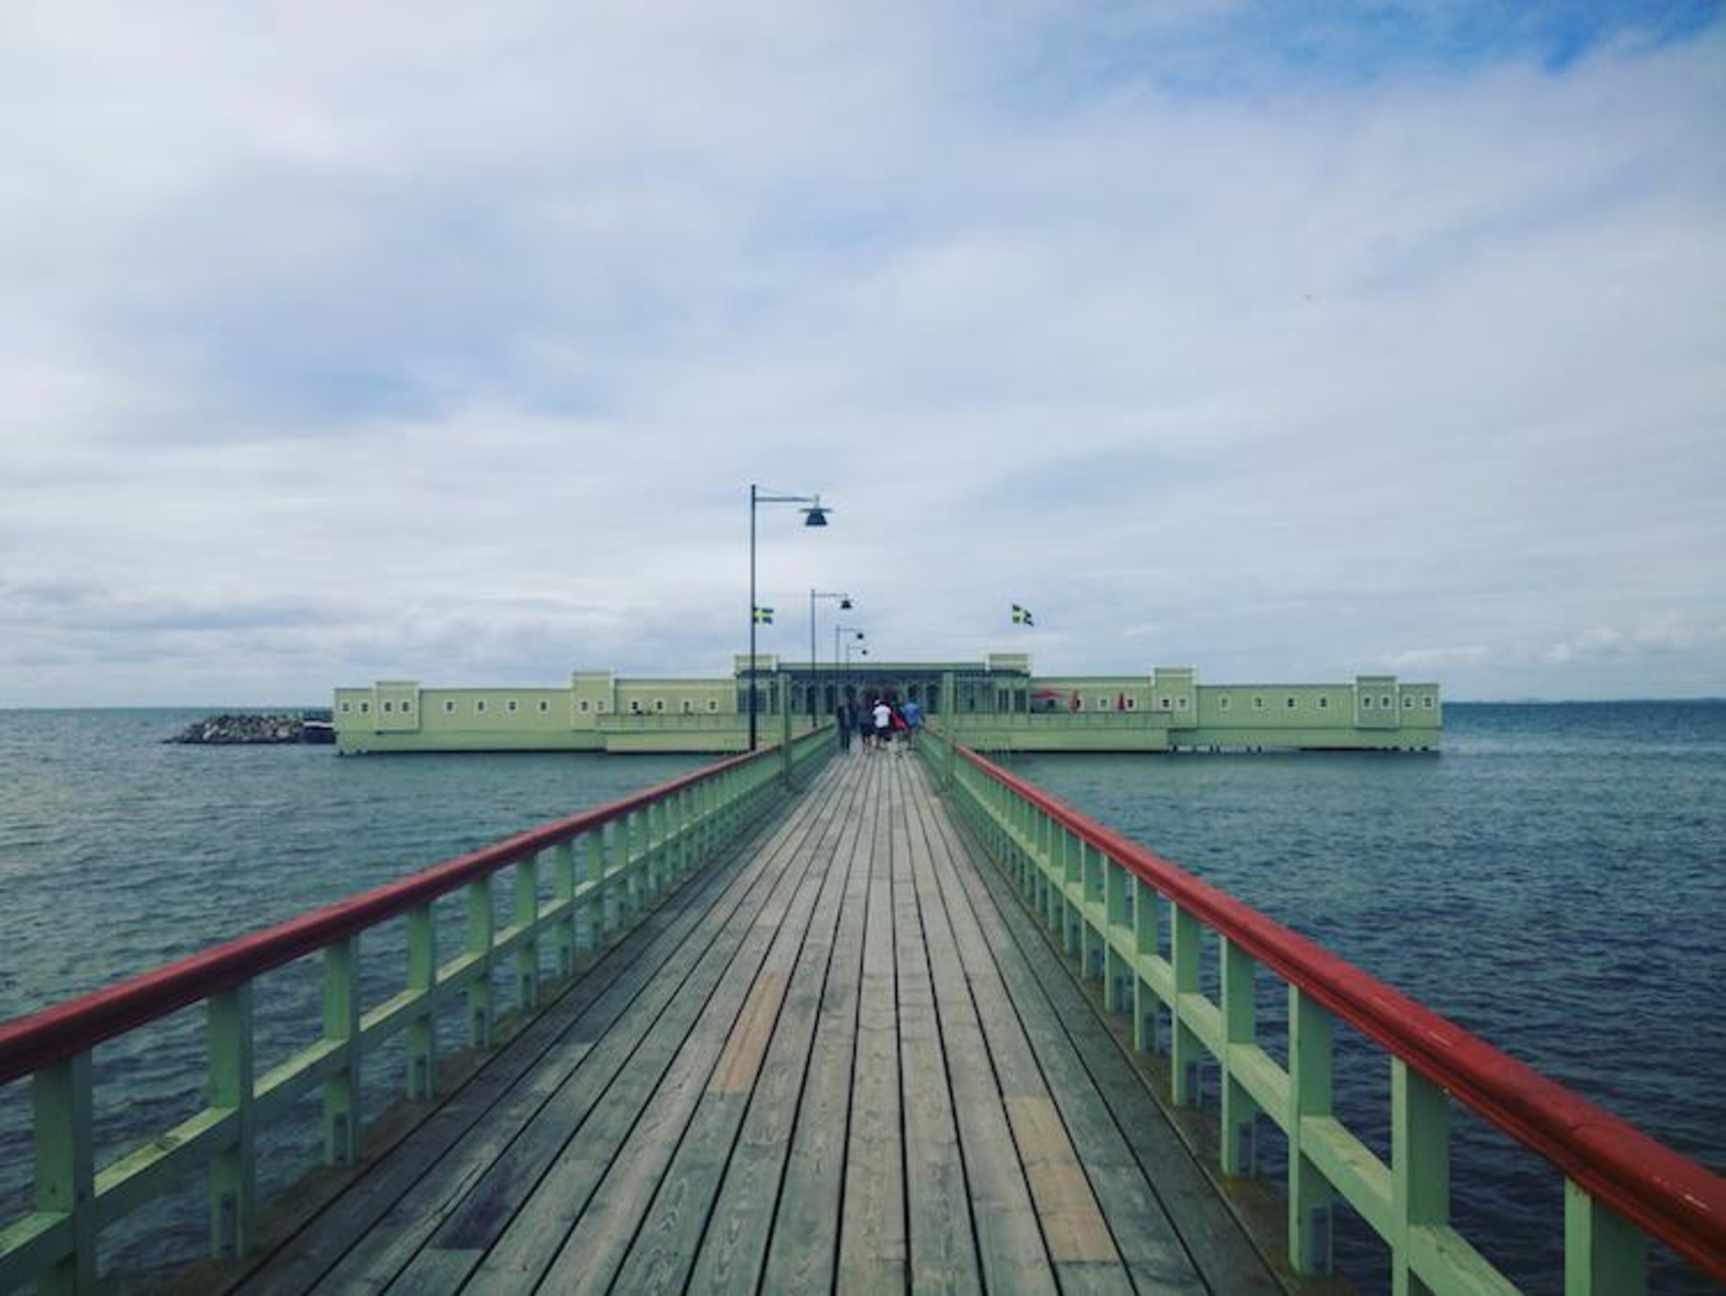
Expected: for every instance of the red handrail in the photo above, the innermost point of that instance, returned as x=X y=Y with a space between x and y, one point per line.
x=1666 y=1195
x=40 y=1039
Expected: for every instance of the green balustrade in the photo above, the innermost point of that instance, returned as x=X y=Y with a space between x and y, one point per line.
x=598 y=891
x=1110 y=904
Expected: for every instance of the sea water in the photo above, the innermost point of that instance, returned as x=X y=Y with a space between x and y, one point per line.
x=1555 y=881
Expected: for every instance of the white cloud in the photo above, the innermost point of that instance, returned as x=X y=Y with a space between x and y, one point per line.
x=458 y=346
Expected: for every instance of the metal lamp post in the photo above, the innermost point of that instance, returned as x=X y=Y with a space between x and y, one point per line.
x=814 y=515
x=844 y=606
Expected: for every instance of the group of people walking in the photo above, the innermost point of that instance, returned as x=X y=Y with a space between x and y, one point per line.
x=884 y=725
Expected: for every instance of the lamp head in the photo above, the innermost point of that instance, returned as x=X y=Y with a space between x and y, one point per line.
x=815 y=515
x=845 y=604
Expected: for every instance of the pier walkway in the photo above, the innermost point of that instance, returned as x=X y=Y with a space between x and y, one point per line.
x=842 y=1056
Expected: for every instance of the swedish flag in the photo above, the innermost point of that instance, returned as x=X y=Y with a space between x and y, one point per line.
x=763 y=615
x=1022 y=616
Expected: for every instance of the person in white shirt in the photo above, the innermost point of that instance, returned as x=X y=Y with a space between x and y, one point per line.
x=883 y=723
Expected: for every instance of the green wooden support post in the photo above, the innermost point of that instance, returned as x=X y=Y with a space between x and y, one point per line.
x=1114 y=915
x=633 y=853
x=527 y=916
x=1144 y=947
x=1311 y=1039
x=1072 y=868
x=1184 y=1047
x=422 y=980
x=1239 y=1027
x=234 y=1169
x=1419 y=1166
x=1604 y=1254
x=480 y=925
x=342 y=1024
x=608 y=841
x=563 y=892
x=1090 y=891
x=63 y=1098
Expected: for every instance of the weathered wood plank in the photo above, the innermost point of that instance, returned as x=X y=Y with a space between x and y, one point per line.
x=939 y=1201
x=671 y=1226
x=803 y=1250
x=1042 y=987
x=872 y=1247
x=730 y=1254
x=597 y=1245
x=1013 y=1252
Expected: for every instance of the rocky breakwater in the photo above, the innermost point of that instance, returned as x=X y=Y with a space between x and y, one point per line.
x=223 y=730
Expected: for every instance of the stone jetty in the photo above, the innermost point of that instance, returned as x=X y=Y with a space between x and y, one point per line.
x=221 y=730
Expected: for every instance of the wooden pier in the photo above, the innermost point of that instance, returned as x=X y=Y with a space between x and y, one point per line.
x=844 y=1057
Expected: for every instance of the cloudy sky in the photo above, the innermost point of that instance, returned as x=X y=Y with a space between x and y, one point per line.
x=444 y=342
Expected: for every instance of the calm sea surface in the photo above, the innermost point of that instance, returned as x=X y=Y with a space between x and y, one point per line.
x=1555 y=881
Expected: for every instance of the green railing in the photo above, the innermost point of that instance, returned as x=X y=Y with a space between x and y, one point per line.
x=608 y=867
x=1116 y=907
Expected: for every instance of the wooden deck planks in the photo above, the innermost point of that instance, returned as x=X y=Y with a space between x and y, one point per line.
x=847 y=1060
x=1169 y=1220
x=733 y=1247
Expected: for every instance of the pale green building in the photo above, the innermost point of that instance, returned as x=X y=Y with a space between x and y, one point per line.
x=996 y=702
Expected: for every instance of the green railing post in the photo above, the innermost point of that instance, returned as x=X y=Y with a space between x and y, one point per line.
x=1184 y=1047
x=563 y=892
x=480 y=924
x=1604 y=1255
x=527 y=916
x=64 y=1100
x=422 y=980
x=233 y=1169
x=1309 y=1193
x=342 y=1026
x=1115 y=996
x=1420 y=1168
x=1144 y=946
x=1239 y=1027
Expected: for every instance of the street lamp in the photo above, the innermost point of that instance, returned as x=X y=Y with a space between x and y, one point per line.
x=836 y=632
x=815 y=516
x=844 y=606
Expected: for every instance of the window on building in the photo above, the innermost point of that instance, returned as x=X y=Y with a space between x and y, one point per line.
x=1427 y=701
x=1365 y=702
x=544 y=706
x=602 y=706
x=688 y=706
x=449 y=708
x=1224 y=702
x=1078 y=703
x=659 y=705
x=1323 y=702
x=511 y=704
x=1289 y=703
x=1387 y=703
x=386 y=706
x=346 y=708
x=634 y=707
x=1132 y=704
x=582 y=706
x=1181 y=703
x=407 y=705
x=1258 y=703
x=1102 y=704
x=1163 y=704
x=1408 y=702
x=479 y=705
x=713 y=704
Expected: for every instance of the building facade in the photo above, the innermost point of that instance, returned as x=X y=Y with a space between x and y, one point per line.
x=996 y=702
